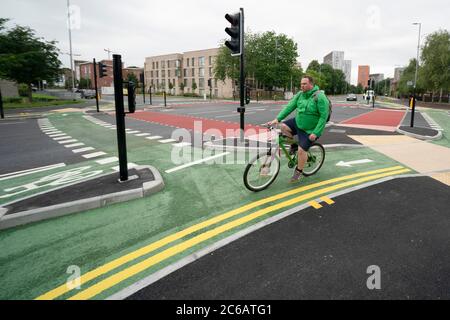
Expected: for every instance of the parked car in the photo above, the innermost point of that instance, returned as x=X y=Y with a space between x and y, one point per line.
x=352 y=97
x=87 y=94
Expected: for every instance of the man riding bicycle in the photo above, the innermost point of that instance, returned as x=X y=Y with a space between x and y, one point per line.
x=312 y=114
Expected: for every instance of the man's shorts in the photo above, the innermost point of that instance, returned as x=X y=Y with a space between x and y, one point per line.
x=303 y=137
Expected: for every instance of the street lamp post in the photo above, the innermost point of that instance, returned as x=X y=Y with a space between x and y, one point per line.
x=70 y=43
x=415 y=78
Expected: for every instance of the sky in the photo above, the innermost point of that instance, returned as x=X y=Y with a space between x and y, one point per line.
x=378 y=33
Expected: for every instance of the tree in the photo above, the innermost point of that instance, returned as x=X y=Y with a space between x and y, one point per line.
x=436 y=62
x=194 y=86
x=131 y=77
x=85 y=83
x=25 y=58
x=270 y=59
x=408 y=76
x=182 y=86
x=313 y=66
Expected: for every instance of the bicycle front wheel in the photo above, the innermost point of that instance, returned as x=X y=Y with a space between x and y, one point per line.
x=261 y=172
x=316 y=158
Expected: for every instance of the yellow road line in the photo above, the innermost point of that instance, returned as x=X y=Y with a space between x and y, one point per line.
x=327 y=200
x=315 y=204
x=53 y=294
x=172 y=251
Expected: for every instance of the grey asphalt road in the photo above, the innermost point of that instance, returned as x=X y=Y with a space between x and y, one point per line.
x=400 y=227
x=24 y=146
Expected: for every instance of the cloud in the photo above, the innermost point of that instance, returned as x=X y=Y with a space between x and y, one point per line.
x=378 y=33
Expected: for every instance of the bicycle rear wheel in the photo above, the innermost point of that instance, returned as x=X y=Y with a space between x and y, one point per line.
x=316 y=158
x=261 y=171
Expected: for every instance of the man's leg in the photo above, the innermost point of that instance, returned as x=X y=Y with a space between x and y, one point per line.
x=286 y=131
x=302 y=158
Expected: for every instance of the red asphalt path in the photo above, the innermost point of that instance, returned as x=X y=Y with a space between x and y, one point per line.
x=387 y=120
x=196 y=124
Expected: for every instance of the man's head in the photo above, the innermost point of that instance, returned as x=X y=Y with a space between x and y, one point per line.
x=307 y=83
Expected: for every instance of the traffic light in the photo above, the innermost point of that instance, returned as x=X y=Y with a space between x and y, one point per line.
x=131 y=97
x=235 y=32
x=141 y=77
x=247 y=95
x=102 y=70
x=209 y=83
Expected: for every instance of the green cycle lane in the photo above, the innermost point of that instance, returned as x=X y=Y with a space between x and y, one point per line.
x=35 y=258
x=442 y=118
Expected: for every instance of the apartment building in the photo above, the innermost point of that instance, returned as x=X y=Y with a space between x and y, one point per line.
x=188 y=72
x=336 y=60
x=363 y=75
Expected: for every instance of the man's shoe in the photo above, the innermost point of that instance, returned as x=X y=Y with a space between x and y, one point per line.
x=296 y=176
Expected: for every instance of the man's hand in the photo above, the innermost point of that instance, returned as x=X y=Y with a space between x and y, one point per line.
x=272 y=123
x=313 y=137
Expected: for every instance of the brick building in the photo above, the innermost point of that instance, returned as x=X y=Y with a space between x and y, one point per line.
x=363 y=75
x=173 y=71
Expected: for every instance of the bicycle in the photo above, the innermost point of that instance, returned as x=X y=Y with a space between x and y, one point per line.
x=263 y=169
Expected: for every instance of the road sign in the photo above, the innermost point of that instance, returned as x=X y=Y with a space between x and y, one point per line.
x=410 y=83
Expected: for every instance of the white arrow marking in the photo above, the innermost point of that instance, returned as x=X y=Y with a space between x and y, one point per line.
x=350 y=163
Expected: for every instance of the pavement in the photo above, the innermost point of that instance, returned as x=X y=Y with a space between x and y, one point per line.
x=326 y=253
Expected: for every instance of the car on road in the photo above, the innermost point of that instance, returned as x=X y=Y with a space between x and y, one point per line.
x=87 y=94
x=352 y=97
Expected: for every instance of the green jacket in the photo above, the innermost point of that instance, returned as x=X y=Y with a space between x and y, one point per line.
x=311 y=115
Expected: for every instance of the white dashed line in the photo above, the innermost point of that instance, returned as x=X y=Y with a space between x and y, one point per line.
x=154 y=138
x=142 y=134
x=67 y=141
x=167 y=140
x=74 y=145
x=93 y=155
x=107 y=160
x=62 y=138
x=83 y=150
x=57 y=135
x=132 y=132
x=130 y=166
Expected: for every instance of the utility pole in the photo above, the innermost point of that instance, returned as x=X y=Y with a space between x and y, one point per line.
x=415 y=78
x=71 y=53
x=2 y=114
x=95 y=84
x=109 y=53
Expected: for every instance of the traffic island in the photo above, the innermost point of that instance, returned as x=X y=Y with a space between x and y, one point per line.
x=420 y=133
x=87 y=195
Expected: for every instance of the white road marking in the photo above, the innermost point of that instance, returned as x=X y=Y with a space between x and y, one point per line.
x=62 y=138
x=132 y=132
x=74 y=145
x=52 y=132
x=154 y=138
x=167 y=140
x=142 y=134
x=57 y=135
x=94 y=155
x=83 y=150
x=350 y=163
x=67 y=141
x=107 y=160
x=131 y=165
x=12 y=175
x=187 y=165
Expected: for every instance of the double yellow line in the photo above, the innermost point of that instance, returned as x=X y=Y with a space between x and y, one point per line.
x=133 y=270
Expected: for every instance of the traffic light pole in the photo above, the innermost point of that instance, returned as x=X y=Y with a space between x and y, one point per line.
x=2 y=114
x=120 y=117
x=242 y=78
x=143 y=85
x=95 y=84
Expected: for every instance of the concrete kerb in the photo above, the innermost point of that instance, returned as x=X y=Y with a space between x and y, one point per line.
x=67 y=208
x=438 y=136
